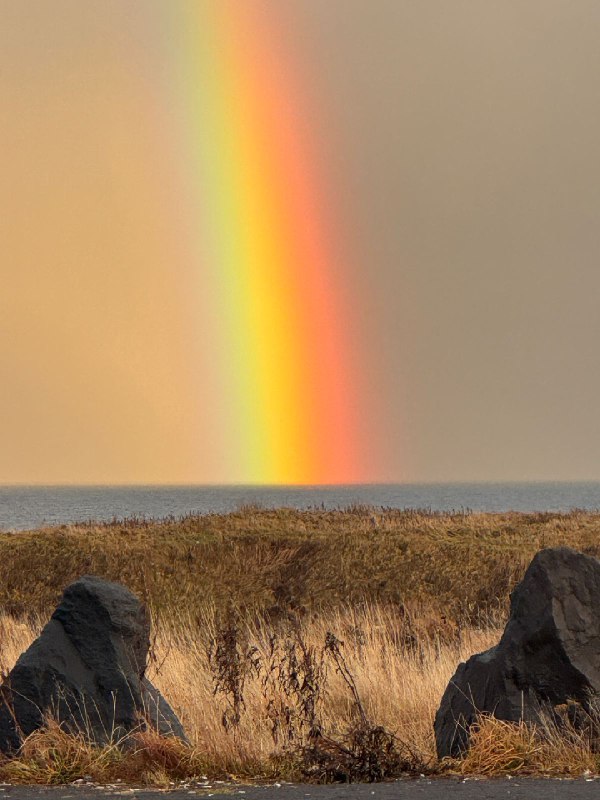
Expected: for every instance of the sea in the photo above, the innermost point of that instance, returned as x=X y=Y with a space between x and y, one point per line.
x=27 y=507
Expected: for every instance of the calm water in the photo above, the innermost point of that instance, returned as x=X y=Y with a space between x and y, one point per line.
x=29 y=507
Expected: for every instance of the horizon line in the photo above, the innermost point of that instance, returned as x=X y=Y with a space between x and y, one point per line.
x=258 y=485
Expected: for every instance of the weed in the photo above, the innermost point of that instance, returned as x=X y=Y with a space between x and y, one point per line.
x=293 y=676
x=231 y=659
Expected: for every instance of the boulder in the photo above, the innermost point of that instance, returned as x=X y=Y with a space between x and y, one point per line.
x=87 y=670
x=548 y=655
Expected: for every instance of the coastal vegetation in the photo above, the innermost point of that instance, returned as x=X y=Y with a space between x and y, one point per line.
x=457 y=569
x=309 y=645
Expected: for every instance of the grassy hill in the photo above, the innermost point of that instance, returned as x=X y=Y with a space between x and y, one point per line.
x=460 y=567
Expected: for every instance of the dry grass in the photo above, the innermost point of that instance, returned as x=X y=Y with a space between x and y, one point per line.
x=244 y=605
x=399 y=681
x=461 y=566
x=549 y=749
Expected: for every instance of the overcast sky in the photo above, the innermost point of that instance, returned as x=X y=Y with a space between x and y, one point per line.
x=461 y=139
x=467 y=145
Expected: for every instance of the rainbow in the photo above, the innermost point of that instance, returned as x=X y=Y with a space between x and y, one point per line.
x=267 y=248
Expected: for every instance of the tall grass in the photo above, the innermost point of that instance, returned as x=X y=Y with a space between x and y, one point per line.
x=460 y=567
x=306 y=645
x=398 y=679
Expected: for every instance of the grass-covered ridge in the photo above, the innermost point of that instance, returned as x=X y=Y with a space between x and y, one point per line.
x=460 y=565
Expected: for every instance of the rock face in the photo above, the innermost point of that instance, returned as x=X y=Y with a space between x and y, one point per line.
x=549 y=652
x=87 y=670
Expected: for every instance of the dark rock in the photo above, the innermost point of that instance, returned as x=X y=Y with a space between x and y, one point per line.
x=87 y=669
x=549 y=653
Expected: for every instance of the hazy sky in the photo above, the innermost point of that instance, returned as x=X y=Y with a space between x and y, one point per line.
x=470 y=161
x=461 y=144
